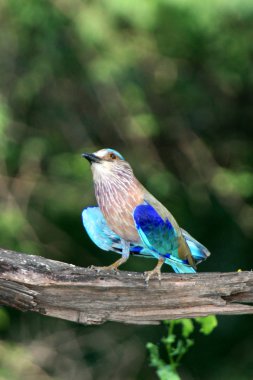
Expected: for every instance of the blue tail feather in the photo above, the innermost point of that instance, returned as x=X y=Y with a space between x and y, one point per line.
x=198 y=251
x=178 y=265
x=182 y=268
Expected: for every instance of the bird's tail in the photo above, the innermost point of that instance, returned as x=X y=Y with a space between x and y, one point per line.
x=180 y=267
x=198 y=251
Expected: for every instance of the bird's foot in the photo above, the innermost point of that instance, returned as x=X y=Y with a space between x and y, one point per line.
x=152 y=273
x=155 y=271
x=104 y=269
x=112 y=267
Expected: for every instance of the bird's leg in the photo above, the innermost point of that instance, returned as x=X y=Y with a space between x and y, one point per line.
x=125 y=255
x=155 y=271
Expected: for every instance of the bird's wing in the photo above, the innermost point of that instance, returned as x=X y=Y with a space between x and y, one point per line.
x=101 y=234
x=98 y=230
x=198 y=251
x=160 y=237
x=156 y=233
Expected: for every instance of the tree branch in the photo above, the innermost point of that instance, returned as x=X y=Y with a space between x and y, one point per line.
x=81 y=295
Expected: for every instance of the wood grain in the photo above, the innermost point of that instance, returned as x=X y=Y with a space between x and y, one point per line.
x=82 y=295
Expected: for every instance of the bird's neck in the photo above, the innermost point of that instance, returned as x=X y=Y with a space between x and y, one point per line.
x=117 y=197
x=116 y=188
x=111 y=185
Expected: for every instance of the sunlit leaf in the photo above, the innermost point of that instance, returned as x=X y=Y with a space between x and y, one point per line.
x=207 y=324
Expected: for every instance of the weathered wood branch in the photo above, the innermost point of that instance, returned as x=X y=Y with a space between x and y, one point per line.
x=82 y=295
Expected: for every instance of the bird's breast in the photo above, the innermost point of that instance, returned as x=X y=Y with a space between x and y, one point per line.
x=117 y=205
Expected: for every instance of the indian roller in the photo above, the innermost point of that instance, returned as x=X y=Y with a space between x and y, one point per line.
x=130 y=220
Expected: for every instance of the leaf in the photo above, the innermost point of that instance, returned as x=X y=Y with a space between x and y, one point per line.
x=167 y=373
x=169 y=339
x=189 y=343
x=155 y=360
x=187 y=326
x=207 y=324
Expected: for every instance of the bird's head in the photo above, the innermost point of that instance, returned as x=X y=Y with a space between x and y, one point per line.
x=106 y=162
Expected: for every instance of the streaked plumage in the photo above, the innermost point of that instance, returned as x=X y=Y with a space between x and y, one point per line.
x=129 y=219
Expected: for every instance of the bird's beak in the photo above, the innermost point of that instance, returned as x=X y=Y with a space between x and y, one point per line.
x=91 y=157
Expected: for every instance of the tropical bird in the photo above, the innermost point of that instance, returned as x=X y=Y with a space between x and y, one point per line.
x=128 y=219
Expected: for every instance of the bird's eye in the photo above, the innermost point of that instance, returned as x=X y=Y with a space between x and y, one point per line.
x=113 y=156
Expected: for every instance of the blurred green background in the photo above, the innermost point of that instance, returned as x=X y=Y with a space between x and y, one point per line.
x=168 y=83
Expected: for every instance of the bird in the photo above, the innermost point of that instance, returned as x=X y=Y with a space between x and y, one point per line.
x=128 y=219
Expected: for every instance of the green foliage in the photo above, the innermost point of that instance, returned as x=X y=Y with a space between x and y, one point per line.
x=207 y=324
x=4 y=320
x=177 y=344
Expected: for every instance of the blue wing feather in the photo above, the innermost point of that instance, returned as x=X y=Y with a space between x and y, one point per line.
x=157 y=234
x=160 y=237
x=101 y=234
x=98 y=230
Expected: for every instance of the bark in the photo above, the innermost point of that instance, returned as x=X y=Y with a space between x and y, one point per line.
x=82 y=295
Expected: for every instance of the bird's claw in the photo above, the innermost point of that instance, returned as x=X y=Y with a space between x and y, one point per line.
x=104 y=269
x=93 y=267
x=152 y=273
